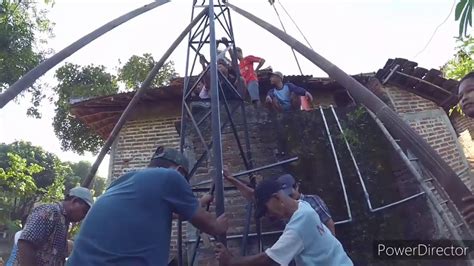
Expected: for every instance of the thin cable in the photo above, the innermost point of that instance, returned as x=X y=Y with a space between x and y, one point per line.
x=296 y=25
x=436 y=29
x=283 y=27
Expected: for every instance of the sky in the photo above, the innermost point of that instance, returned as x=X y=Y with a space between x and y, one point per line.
x=356 y=35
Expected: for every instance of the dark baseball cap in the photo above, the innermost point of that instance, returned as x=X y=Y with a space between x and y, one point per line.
x=171 y=155
x=287 y=182
x=264 y=192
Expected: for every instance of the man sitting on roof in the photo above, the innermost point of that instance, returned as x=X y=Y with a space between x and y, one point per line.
x=305 y=238
x=466 y=100
x=284 y=97
x=130 y=224
x=291 y=188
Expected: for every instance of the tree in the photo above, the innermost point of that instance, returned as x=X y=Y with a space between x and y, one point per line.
x=134 y=72
x=23 y=28
x=460 y=65
x=463 y=13
x=463 y=61
x=76 y=82
x=79 y=173
x=28 y=174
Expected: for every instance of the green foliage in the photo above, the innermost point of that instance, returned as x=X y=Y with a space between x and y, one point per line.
x=460 y=65
x=28 y=174
x=134 y=72
x=17 y=177
x=463 y=61
x=79 y=83
x=76 y=82
x=23 y=28
x=80 y=170
x=463 y=13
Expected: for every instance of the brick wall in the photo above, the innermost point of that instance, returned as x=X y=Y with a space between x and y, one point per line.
x=433 y=124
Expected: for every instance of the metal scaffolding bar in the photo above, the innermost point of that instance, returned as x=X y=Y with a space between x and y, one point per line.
x=131 y=105
x=247 y=172
x=362 y=182
x=336 y=160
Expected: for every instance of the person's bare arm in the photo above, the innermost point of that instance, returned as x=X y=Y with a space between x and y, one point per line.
x=260 y=64
x=246 y=191
x=225 y=258
x=207 y=222
x=332 y=226
x=26 y=253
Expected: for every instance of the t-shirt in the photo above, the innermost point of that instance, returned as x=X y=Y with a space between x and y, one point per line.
x=130 y=224
x=308 y=241
x=14 y=252
x=283 y=95
x=246 y=68
x=46 y=228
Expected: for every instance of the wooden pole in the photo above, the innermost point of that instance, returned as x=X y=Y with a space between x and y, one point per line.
x=29 y=78
x=453 y=185
x=130 y=107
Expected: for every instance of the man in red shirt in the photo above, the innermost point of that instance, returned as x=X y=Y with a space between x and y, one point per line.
x=248 y=73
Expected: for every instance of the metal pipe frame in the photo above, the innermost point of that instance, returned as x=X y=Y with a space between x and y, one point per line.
x=136 y=98
x=251 y=171
x=336 y=160
x=429 y=193
x=362 y=182
x=201 y=37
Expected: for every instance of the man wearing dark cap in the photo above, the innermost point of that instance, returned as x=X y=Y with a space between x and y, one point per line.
x=291 y=188
x=130 y=224
x=301 y=240
x=284 y=97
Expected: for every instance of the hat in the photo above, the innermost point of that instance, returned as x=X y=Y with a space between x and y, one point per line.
x=263 y=192
x=287 y=182
x=82 y=193
x=278 y=74
x=171 y=155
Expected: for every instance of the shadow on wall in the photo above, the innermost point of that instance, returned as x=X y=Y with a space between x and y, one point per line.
x=387 y=179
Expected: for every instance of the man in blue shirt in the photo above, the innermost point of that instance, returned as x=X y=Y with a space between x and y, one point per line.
x=301 y=240
x=285 y=97
x=130 y=224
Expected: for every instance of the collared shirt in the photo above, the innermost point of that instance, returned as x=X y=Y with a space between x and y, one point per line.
x=318 y=205
x=47 y=228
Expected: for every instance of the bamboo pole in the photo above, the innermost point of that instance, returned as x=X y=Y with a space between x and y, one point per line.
x=453 y=185
x=131 y=105
x=29 y=78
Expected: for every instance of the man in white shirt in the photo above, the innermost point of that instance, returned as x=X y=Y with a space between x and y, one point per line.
x=301 y=240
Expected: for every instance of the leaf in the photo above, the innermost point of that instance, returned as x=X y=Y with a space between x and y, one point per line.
x=459 y=9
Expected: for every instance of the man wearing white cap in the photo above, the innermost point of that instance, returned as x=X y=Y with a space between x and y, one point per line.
x=44 y=238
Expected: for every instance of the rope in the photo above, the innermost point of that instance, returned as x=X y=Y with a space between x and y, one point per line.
x=296 y=25
x=272 y=3
x=436 y=29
